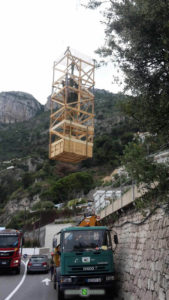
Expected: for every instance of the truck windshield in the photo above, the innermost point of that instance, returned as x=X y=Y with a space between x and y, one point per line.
x=8 y=241
x=82 y=240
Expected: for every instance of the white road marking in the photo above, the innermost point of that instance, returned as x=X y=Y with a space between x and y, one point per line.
x=18 y=286
x=46 y=280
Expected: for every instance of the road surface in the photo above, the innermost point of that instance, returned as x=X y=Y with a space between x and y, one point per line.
x=29 y=287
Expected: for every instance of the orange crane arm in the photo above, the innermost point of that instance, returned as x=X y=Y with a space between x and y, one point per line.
x=90 y=221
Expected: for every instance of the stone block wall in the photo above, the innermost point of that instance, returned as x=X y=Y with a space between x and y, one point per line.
x=142 y=256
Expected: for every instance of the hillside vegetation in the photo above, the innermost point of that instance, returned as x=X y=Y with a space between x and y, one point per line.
x=24 y=162
x=140 y=46
x=137 y=38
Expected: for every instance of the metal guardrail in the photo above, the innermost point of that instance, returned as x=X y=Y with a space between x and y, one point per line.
x=103 y=197
x=132 y=193
x=125 y=199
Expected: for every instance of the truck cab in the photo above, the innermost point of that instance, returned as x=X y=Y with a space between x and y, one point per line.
x=86 y=262
x=10 y=250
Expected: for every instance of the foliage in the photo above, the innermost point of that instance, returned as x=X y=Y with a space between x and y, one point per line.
x=35 y=189
x=56 y=181
x=107 y=183
x=43 y=205
x=29 y=243
x=69 y=186
x=29 y=220
x=145 y=171
x=29 y=134
x=74 y=202
x=137 y=35
x=27 y=180
x=17 y=220
x=33 y=134
x=8 y=185
x=107 y=106
x=120 y=180
x=109 y=147
x=2 y=211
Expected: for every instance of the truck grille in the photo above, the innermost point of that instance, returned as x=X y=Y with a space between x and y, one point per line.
x=6 y=253
x=5 y=263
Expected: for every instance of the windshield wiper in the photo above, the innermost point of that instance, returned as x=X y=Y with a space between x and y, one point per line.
x=76 y=248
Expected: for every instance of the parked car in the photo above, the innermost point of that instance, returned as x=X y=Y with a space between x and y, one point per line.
x=38 y=263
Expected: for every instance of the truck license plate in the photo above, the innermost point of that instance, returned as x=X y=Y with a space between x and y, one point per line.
x=88 y=268
x=94 y=280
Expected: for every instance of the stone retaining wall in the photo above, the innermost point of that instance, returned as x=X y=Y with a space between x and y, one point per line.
x=142 y=257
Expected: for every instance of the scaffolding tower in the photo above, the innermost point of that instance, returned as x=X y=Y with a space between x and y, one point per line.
x=72 y=109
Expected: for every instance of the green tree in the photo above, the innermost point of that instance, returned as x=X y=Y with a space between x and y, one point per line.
x=137 y=36
x=43 y=205
x=143 y=169
x=66 y=188
x=27 y=180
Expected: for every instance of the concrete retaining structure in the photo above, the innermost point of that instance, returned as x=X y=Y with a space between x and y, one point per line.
x=142 y=256
x=45 y=234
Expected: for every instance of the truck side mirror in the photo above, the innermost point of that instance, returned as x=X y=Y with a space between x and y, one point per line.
x=116 y=239
x=54 y=243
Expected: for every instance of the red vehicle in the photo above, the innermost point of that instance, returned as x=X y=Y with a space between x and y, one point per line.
x=10 y=250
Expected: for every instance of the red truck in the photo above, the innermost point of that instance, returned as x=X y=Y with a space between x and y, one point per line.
x=10 y=250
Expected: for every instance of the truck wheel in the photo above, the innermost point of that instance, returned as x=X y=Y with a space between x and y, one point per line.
x=60 y=295
x=17 y=270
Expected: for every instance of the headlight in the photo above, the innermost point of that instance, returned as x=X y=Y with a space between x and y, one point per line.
x=109 y=278
x=16 y=261
x=66 y=279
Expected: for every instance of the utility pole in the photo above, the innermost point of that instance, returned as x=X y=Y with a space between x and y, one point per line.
x=39 y=223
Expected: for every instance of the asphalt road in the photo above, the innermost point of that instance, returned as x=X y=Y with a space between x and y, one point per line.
x=29 y=287
x=26 y=287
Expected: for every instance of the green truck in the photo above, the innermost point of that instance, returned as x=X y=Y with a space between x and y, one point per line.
x=86 y=265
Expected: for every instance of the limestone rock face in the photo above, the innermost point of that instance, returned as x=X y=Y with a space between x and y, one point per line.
x=18 y=107
x=47 y=105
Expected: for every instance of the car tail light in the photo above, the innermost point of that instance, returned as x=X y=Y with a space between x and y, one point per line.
x=44 y=264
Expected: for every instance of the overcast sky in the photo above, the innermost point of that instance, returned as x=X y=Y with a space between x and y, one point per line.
x=34 y=33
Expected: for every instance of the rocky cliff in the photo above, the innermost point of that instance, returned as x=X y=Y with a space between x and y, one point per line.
x=18 y=107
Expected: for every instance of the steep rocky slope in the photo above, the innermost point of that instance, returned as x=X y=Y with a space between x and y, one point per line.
x=17 y=107
x=28 y=176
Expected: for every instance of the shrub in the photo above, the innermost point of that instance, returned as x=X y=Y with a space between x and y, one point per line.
x=66 y=188
x=43 y=205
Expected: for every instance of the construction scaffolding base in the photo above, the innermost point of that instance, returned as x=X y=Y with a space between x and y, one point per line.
x=71 y=150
